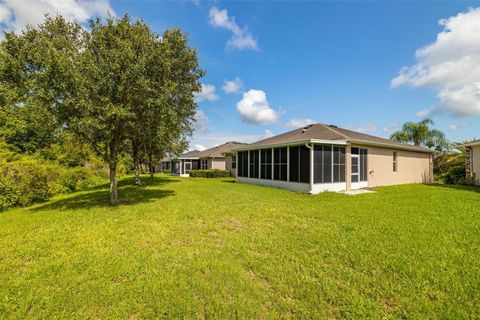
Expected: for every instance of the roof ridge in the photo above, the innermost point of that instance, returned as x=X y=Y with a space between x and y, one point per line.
x=333 y=130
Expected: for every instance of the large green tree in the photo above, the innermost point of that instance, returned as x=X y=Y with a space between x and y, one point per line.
x=116 y=81
x=166 y=121
x=421 y=134
x=37 y=81
x=132 y=77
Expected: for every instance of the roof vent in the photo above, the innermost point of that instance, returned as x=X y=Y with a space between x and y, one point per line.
x=307 y=127
x=332 y=125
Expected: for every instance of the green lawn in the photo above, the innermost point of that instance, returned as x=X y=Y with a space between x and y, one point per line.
x=198 y=248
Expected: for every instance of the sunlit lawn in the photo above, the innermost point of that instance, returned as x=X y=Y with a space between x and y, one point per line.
x=198 y=248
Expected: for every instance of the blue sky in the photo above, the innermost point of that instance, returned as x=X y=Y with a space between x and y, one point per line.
x=330 y=62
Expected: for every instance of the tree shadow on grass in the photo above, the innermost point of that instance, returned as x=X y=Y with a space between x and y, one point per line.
x=98 y=196
x=475 y=189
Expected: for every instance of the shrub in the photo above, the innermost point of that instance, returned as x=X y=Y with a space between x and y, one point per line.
x=9 y=193
x=28 y=180
x=454 y=175
x=167 y=171
x=79 y=178
x=25 y=182
x=212 y=173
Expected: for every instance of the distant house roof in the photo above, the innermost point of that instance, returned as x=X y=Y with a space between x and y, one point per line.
x=323 y=133
x=472 y=143
x=189 y=155
x=221 y=150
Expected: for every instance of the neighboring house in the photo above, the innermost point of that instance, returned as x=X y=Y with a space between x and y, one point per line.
x=165 y=164
x=323 y=157
x=182 y=165
x=473 y=161
x=219 y=157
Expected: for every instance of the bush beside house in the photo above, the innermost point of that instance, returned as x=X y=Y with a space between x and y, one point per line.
x=213 y=173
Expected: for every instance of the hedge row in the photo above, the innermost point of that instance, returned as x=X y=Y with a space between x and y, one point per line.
x=28 y=181
x=213 y=173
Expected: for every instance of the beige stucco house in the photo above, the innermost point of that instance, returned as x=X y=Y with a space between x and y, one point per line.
x=323 y=157
x=473 y=161
x=213 y=158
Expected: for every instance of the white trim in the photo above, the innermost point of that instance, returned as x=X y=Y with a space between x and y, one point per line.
x=288 y=163
x=359 y=185
x=471 y=144
x=273 y=169
x=332 y=187
x=296 y=186
x=391 y=146
x=293 y=186
x=248 y=167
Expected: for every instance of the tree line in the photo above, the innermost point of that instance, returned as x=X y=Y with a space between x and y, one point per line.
x=115 y=85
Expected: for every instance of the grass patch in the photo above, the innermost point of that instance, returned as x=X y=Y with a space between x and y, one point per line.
x=202 y=248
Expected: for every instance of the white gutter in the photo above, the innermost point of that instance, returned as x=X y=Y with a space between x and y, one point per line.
x=471 y=144
x=292 y=143
x=392 y=146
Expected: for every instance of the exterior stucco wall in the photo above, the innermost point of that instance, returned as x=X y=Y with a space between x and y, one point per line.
x=476 y=163
x=412 y=167
x=228 y=165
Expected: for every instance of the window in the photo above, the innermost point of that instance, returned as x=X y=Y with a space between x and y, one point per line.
x=304 y=164
x=363 y=165
x=359 y=164
x=203 y=164
x=188 y=166
x=243 y=164
x=355 y=165
x=280 y=164
x=322 y=164
x=299 y=164
x=395 y=162
x=294 y=164
x=234 y=162
x=254 y=163
x=338 y=164
x=266 y=164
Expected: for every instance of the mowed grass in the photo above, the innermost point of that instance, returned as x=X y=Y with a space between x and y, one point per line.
x=211 y=248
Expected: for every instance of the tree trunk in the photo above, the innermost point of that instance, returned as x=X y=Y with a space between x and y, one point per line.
x=136 y=164
x=112 y=164
x=150 y=164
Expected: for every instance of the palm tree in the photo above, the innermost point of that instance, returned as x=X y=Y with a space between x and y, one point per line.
x=421 y=134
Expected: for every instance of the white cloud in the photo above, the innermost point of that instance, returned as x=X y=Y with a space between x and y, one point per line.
x=456 y=127
x=299 y=123
x=211 y=139
x=451 y=65
x=254 y=108
x=367 y=128
x=233 y=86
x=15 y=15
x=201 y=121
x=266 y=134
x=207 y=93
x=241 y=37
x=199 y=147
x=391 y=127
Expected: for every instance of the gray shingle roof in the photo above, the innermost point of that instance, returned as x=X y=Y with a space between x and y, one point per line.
x=189 y=154
x=321 y=131
x=218 y=151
